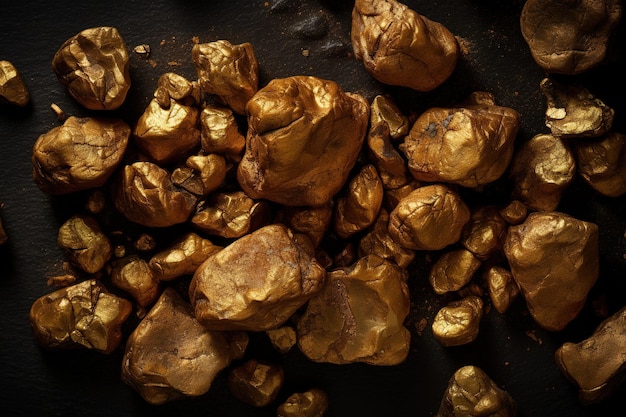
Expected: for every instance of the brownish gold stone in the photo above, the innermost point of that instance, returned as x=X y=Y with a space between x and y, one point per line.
x=257 y=282
x=400 y=47
x=256 y=383
x=94 y=67
x=311 y=221
x=515 y=212
x=229 y=71
x=202 y=174
x=542 y=169
x=453 y=270
x=555 y=291
x=81 y=315
x=282 y=338
x=370 y=301
x=304 y=137
x=133 y=275
x=458 y=322
x=171 y=356
x=597 y=364
x=602 y=163
x=503 y=289
x=84 y=243
x=311 y=403
x=429 y=218
x=379 y=242
x=182 y=257
x=471 y=393
x=13 y=90
x=484 y=234
x=81 y=154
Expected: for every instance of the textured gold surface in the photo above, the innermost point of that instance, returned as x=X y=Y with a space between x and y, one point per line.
x=358 y=316
x=82 y=315
x=458 y=322
x=311 y=403
x=379 y=242
x=182 y=257
x=282 y=338
x=452 y=270
x=304 y=136
x=471 y=393
x=256 y=383
x=399 y=47
x=84 y=244
x=311 y=221
x=13 y=90
x=202 y=174
x=602 y=163
x=503 y=289
x=94 y=67
x=555 y=261
x=220 y=132
x=133 y=275
x=81 y=154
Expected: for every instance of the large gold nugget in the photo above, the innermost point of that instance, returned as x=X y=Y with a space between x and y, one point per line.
x=597 y=365
x=554 y=260
x=569 y=37
x=170 y=355
x=468 y=146
x=358 y=316
x=94 y=67
x=429 y=218
x=257 y=282
x=84 y=314
x=304 y=136
x=81 y=154
x=471 y=393
x=400 y=47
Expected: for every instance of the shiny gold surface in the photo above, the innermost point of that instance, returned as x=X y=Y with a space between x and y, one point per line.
x=256 y=383
x=94 y=67
x=555 y=292
x=602 y=163
x=357 y=208
x=452 y=270
x=304 y=136
x=230 y=214
x=84 y=244
x=596 y=364
x=469 y=146
x=13 y=90
x=170 y=355
x=167 y=134
x=202 y=174
x=144 y=194
x=429 y=218
x=458 y=322
x=133 y=275
x=257 y=282
x=569 y=37
x=503 y=289
x=379 y=242
x=542 y=169
x=81 y=154
x=173 y=86
x=370 y=301
x=229 y=71
x=399 y=47
x=484 y=234
x=182 y=257
x=311 y=403
x=82 y=315
x=220 y=132
x=471 y=393
x=573 y=112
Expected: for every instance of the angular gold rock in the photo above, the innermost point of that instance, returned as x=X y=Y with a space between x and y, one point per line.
x=429 y=218
x=602 y=163
x=597 y=364
x=229 y=71
x=182 y=257
x=311 y=221
x=170 y=356
x=453 y=270
x=379 y=242
x=573 y=112
x=81 y=154
x=257 y=282
x=282 y=338
x=167 y=134
x=555 y=261
x=256 y=383
x=357 y=208
x=311 y=403
x=81 y=315
x=503 y=289
x=515 y=212
x=542 y=169
x=13 y=90
x=133 y=275
x=569 y=37
x=358 y=316
x=458 y=322
x=484 y=233
x=94 y=67
x=399 y=47
x=173 y=86
x=220 y=132
x=471 y=393
x=230 y=214
x=84 y=243
x=144 y=194
x=202 y=174
x=468 y=146
x=304 y=136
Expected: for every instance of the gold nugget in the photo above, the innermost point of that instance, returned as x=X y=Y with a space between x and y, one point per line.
x=13 y=90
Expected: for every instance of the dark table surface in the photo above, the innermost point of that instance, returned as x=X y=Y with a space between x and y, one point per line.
x=511 y=348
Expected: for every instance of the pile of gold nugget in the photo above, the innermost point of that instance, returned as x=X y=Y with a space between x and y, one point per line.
x=305 y=221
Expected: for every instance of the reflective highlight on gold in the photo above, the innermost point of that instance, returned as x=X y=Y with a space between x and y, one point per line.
x=13 y=90
x=458 y=322
x=453 y=270
x=503 y=289
x=220 y=132
x=182 y=257
x=602 y=163
x=202 y=174
x=379 y=242
x=484 y=234
x=311 y=403
x=84 y=244
x=133 y=275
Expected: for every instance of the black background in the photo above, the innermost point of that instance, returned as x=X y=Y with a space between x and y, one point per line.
x=511 y=348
